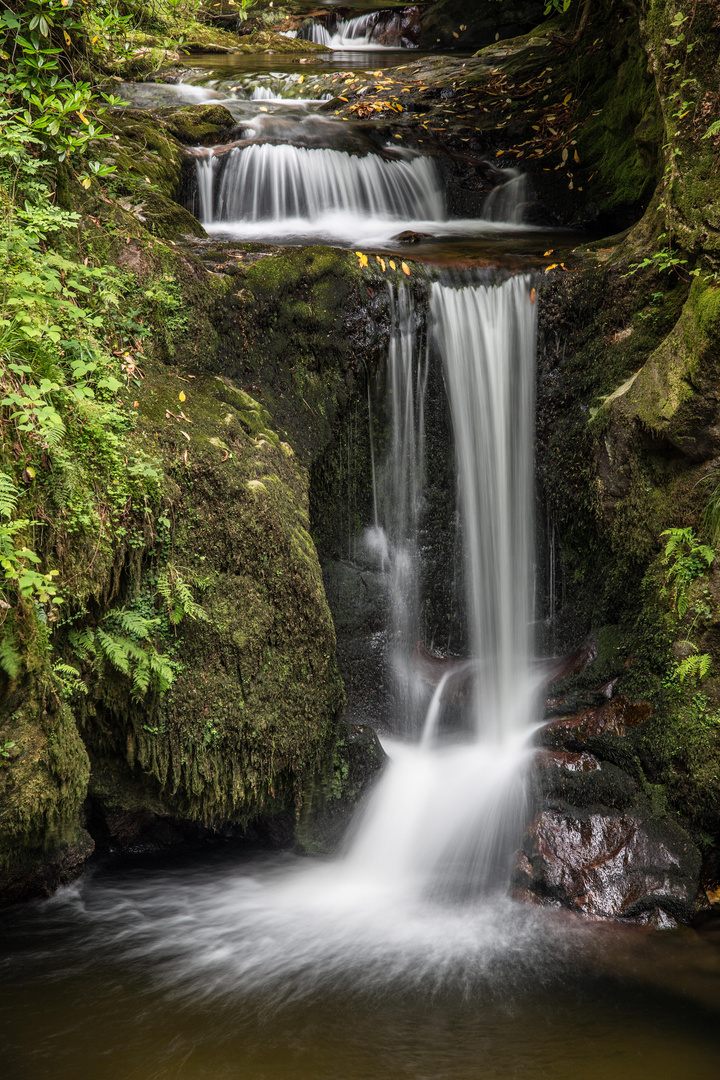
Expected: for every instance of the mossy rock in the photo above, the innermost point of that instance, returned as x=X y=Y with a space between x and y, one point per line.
x=199 y=125
x=44 y=773
x=251 y=716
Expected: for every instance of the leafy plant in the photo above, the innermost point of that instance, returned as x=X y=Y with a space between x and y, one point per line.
x=693 y=668
x=178 y=597
x=685 y=558
x=124 y=643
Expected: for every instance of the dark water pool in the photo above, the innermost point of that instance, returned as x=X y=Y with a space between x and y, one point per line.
x=242 y=969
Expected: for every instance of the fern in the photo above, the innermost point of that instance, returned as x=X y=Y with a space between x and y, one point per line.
x=685 y=559
x=131 y=653
x=114 y=649
x=10 y=659
x=179 y=600
x=135 y=625
x=694 y=668
x=9 y=496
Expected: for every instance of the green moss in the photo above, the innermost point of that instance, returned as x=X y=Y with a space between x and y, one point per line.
x=197 y=125
x=252 y=712
x=44 y=780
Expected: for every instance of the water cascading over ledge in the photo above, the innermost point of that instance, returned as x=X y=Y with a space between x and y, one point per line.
x=260 y=189
x=451 y=805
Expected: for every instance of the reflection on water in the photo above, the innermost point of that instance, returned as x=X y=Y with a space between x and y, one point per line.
x=275 y=969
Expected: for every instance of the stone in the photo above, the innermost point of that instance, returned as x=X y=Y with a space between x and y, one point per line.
x=608 y=865
x=614 y=717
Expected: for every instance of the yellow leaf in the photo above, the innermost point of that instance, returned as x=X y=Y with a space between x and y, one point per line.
x=86 y=182
x=94 y=39
x=552 y=266
x=548 y=253
x=576 y=157
x=342 y=99
x=382 y=263
x=363 y=259
x=82 y=117
x=181 y=395
x=567 y=98
x=455 y=35
x=67 y=36
x=301 y=79
x=405 y=268
x=463 y=27
x=392 y=265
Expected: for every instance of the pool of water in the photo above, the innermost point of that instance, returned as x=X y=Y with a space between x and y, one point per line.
x=229 y=967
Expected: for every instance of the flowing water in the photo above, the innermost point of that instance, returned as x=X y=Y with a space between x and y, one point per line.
x=402 y=956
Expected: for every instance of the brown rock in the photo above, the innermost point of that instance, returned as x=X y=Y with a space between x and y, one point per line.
x=604 y=865
x=614 y=717
x=564 y=759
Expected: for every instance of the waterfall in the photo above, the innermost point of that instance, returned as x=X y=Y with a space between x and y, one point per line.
x=487 y=339
x=506 y=202
x=374 y=30
x=293 y=187
x=399 y=908
x=446 y=813
x=398 y=496
x=205 y=168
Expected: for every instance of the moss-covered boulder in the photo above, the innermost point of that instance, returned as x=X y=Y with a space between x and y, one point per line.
x=44 y=772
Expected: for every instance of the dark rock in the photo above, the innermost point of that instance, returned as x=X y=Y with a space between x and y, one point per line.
x=614 y=717
x=39 y=874
x=564 y=759
x=357 y=762
x=357 y=600
x=605 y=786
x=608 y=866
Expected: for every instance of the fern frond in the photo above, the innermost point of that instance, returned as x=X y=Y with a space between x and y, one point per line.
x=10 y=659
x=9 y=496
x=135 y=625
x=114 y=649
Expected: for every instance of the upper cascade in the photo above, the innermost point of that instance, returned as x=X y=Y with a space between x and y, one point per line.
x=374 y=30
x=291 y=187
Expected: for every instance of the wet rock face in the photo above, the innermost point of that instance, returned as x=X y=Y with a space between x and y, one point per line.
x=607 y=866
x=614 y=717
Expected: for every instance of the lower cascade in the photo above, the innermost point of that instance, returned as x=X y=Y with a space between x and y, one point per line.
x=447 y=810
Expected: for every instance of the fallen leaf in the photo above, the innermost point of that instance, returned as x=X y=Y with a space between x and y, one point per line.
x=181 y=395
x=392 y=265
x=405 y=268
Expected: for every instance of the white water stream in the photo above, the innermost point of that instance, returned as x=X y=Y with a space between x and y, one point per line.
x=279 y=192
x=417 y=899
x=364 y=32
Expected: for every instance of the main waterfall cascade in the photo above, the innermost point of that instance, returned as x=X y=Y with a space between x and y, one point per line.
x=449 y=808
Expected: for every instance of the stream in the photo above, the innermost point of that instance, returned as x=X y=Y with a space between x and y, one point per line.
x=403 y=955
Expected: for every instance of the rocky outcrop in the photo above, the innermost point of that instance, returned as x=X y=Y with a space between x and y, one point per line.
x=608 y=866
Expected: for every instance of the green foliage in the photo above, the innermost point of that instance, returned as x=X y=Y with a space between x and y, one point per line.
x=662 y=261
x=684 y=559
x=5 y=748
x=124 y=643
x=10 y=659
x=558 y=7
x=694 y=668
x=178 y=597
x=42 y=42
